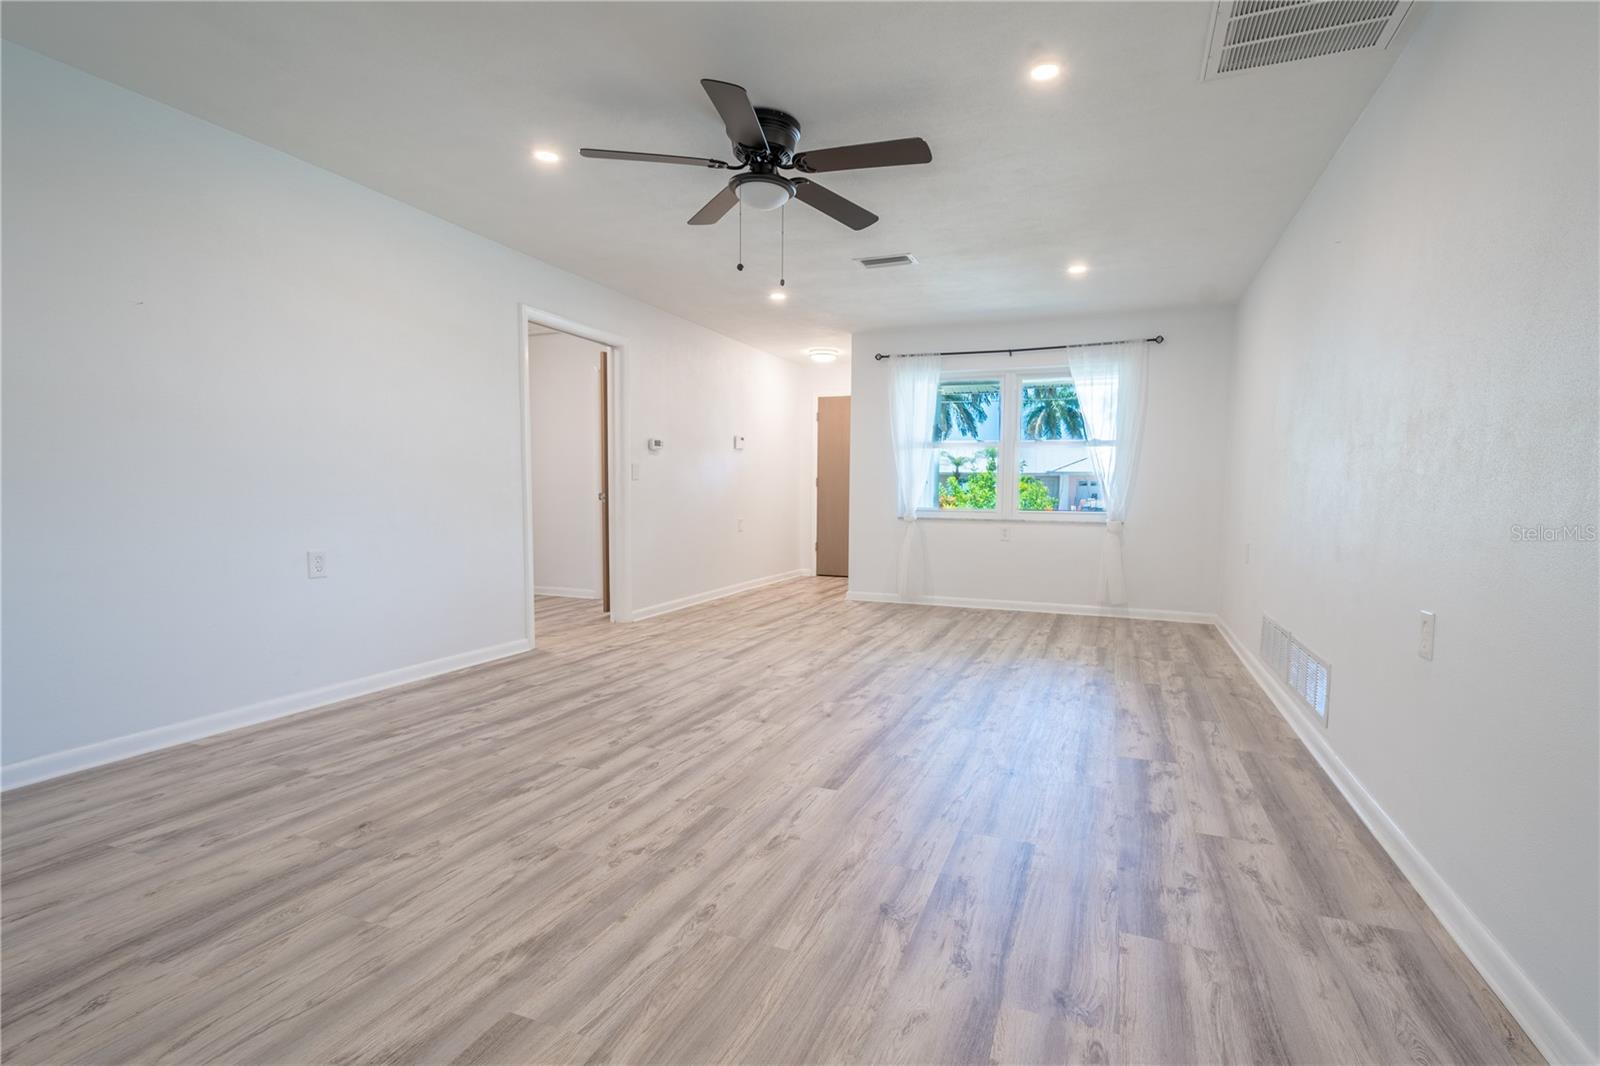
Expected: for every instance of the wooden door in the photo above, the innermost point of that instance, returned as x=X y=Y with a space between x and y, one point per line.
x=833 y=486
x=605 y=487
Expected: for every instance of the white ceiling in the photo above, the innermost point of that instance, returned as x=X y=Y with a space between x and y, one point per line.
x=1171 y=188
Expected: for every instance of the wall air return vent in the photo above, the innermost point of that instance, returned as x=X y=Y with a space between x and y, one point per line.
x=1275 y=647
x=1249 y=34
x=878 y=262
x=1296 y=666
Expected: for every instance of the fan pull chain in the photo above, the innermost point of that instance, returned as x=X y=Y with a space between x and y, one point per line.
x=783 y=240
x=741 y=234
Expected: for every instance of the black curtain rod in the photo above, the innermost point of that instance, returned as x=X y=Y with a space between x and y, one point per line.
x=1157 y=339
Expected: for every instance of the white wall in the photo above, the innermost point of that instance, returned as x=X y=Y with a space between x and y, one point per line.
x=218 y=357
x=1170 y=542
x=1416 y=376
x=564 y=402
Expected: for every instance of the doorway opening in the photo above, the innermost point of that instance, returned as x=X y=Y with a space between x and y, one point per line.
x=568 y=390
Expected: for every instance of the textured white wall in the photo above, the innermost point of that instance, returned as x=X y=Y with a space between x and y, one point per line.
x=1170 y=542
x=1417 y=375
x=564 y=402
x=218 y=357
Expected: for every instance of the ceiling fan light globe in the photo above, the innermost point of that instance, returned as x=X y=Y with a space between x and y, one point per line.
x=762 y=193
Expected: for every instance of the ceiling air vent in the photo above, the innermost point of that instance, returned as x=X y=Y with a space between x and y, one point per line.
x=878 y=262
x=1249 y=34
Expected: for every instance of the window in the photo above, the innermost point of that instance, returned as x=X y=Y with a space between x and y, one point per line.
x=1028 y=423
x=966 y=431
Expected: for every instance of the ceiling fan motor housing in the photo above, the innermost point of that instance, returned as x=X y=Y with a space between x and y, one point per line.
x=782 y=131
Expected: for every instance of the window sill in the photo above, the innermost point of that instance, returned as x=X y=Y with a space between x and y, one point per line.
x=1071 y=517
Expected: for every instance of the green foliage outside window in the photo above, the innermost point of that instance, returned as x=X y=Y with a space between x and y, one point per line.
x=976 y=491
x=1033 y=496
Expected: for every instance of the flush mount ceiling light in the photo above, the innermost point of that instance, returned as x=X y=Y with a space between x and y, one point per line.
x=1078 y=270
x=1045 y=71
x=823 y=355
x=545 y=155
x=763 y=192
x=777 y=296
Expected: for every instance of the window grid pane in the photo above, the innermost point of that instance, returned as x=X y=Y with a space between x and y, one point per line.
x=966 y=434
x=1054 y=469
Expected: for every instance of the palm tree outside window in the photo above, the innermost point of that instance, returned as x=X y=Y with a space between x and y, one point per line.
x=1050 y=411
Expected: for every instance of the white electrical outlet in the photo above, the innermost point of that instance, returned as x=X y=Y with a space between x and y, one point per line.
x=316 y=564
x=738 y=442
x=1005 y=532
x=1425 y=640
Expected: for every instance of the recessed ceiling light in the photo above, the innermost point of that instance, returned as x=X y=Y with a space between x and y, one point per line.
x=777 y=296
x=1045 y=72
x=823 y=355
x=1078 y=270
x=545 y=155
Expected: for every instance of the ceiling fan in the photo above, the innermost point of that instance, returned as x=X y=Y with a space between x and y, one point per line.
x=764 y=142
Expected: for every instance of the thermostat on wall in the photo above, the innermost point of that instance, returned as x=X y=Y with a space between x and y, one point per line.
x=654 y=444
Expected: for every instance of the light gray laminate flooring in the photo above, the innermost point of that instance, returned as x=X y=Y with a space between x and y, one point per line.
x=777 y=828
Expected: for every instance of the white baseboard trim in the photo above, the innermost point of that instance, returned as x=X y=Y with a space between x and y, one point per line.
x=641 y=613
x=1555 y=1038
x=565 y=593
x=44 y=767
x=1144 y=613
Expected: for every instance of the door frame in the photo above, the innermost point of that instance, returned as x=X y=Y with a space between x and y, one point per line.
x=605 y=480
x=616 y=483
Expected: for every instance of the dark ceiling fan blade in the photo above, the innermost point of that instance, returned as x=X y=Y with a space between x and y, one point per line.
x=904 y=152
x=718 y=206
x=833 y=205
x=738 y=115
x=652 y=157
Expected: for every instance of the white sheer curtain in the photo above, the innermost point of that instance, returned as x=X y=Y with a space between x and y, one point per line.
x=913 y=398
x=1110 y=382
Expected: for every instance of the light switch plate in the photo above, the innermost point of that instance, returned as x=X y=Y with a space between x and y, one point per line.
x=1425 y=640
